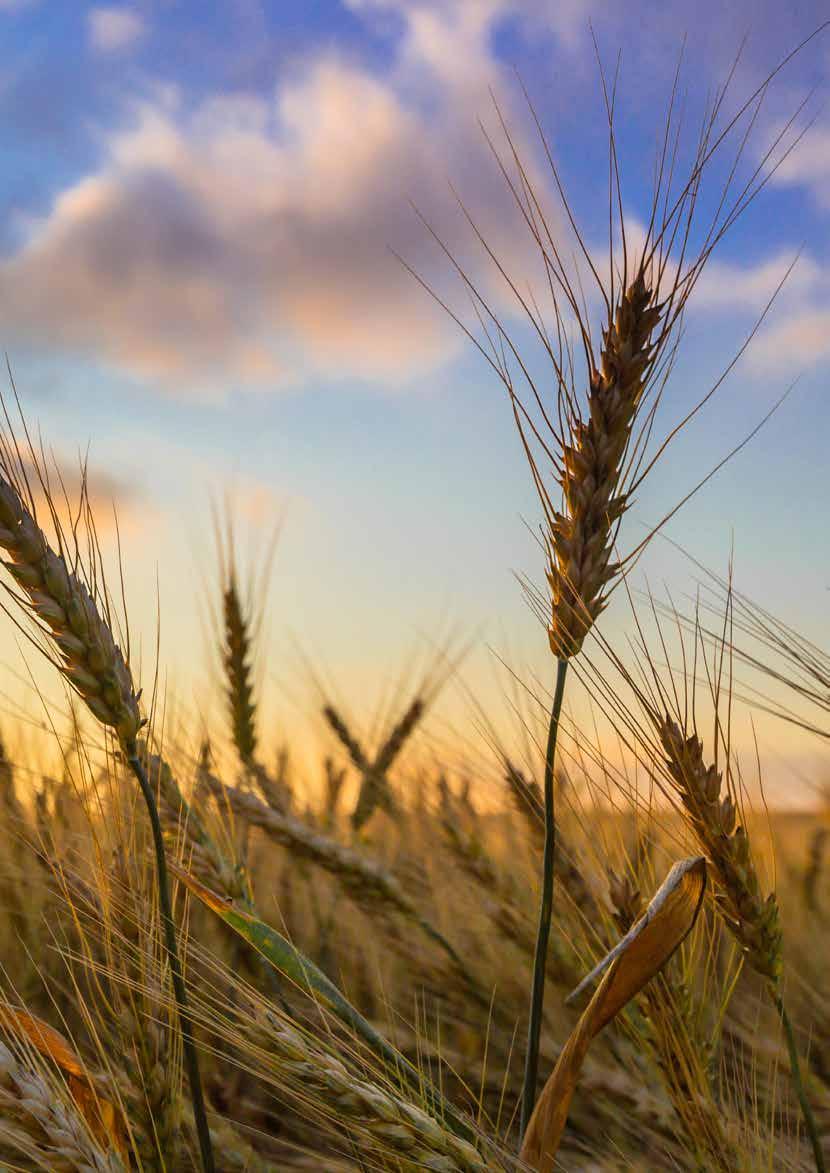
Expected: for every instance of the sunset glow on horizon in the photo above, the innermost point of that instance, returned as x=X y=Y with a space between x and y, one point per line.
x=204 y=211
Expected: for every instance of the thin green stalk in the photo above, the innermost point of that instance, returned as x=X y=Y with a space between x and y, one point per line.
x=537 y=996
x=795 y=1073
x=191 y=1058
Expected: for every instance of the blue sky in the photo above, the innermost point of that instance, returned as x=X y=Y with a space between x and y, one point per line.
x=197 y=206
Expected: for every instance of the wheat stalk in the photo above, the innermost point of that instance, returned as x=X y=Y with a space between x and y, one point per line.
x=596 y=455
x=65 y=609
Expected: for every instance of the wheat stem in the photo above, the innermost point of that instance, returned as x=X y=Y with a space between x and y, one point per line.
x=191 y=1057
x=537 y=996
x=795 y=1075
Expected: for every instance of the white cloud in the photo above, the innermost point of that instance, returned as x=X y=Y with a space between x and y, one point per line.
x=246 y=241
x=114 y=29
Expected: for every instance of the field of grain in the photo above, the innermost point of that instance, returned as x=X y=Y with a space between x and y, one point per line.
x=584 y=945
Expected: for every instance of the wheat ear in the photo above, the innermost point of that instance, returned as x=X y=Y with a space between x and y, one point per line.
x=237 y=660
x=581 y=534
x=394 y=1128
x=35 y=1122
x=374 y=784
x=755 y=921
x=374 y=788
x=90 y=659
x=366 y=881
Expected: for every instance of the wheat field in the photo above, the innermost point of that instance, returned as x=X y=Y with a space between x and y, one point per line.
x=584 y=945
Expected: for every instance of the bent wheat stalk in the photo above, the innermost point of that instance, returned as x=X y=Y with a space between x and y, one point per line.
x=68 y=614
x=580 y=542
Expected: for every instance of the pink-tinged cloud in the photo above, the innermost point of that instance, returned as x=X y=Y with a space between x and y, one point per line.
x=116 y=504
x=795 y=333
x=792 y=345
x=808 y=164
x=724 y=285
x=247 y=243
x=114 y=29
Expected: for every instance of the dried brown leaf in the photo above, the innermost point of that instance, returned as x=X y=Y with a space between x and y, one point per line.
x=630 y=965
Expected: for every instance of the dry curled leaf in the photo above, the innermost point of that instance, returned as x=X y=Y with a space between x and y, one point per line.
x=630 y=965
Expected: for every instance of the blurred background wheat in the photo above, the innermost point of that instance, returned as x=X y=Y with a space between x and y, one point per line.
x=447 y=927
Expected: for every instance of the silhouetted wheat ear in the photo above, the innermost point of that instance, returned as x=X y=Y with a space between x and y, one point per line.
x=374 y=787
x=755 y=921
x=90 y=659
x=400 y=734
x=527 y=799
x=812 y=872
x=237 y=657
x=335 y=777
x=346 y=738
x=581 y=536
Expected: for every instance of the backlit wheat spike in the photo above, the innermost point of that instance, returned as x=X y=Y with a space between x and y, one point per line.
x=754 y=920
x=397 y=1133
x=374 y=787
x=38 y=1122
x=581 y=535
x=399 y=736
x=346 y=738
x=67 y=611
x=374 y=784
x=88 y=656
x=237 y=658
